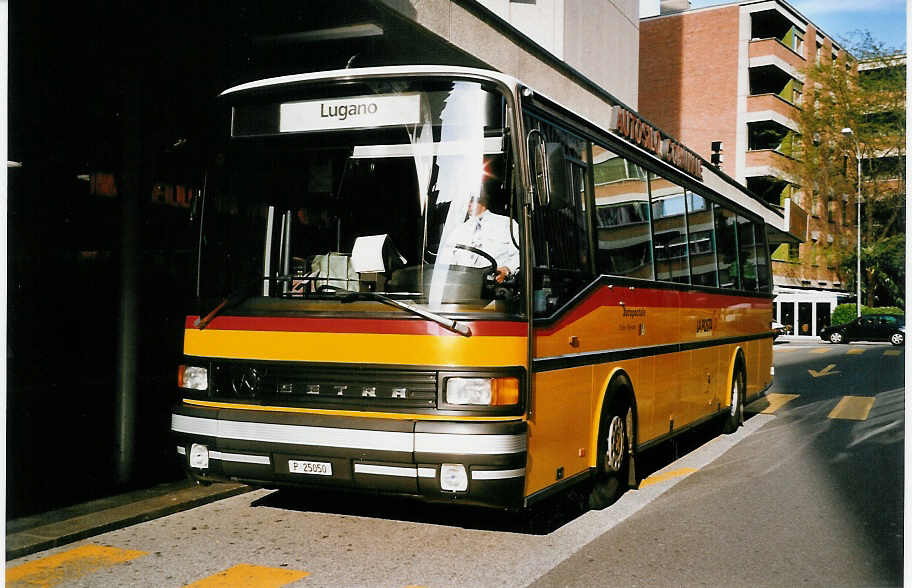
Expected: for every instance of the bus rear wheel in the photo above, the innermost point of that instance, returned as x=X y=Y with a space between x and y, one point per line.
x=613 y=459
x=735 y=415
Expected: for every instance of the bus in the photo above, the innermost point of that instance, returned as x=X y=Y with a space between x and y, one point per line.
x=341 y=341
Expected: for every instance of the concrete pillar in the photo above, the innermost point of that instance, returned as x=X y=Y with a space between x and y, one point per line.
x=131 y=188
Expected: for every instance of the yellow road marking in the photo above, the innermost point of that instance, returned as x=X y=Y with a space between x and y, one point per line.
x=824 y=372
x=666 y=476
x=821 y=350
x=770 y=403
x=854 y=408
x=855 y=351
x=892 y=352
x=68 y=565
x=248 y=575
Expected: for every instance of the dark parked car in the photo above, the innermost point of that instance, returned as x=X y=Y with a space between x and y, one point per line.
x=870 y=327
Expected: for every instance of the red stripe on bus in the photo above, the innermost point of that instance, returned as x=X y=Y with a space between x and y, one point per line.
x=355 y=325
x=650 y=298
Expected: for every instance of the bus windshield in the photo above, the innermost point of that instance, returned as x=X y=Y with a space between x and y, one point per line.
x=400 y=187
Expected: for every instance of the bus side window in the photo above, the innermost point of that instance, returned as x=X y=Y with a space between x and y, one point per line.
x=701 y=240
x=669 y=230
x=624 y=245
x=727 y=247
x=559 y=223
x=763 y=274
x=747 y=254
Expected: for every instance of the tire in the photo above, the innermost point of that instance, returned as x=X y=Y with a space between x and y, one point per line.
x=897 y=338
x=734 y=417
x=836 y=337
x=613 y=463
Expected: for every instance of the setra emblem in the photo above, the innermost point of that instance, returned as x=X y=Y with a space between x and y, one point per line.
x=246 y=383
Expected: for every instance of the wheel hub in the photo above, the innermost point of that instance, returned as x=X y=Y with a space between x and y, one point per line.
x=614 y=455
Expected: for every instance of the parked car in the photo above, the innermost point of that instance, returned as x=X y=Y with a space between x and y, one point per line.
x=780 y=329
x=870 y=327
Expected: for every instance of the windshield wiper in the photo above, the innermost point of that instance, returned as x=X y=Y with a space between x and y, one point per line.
x=236 y=297
x=453 y=325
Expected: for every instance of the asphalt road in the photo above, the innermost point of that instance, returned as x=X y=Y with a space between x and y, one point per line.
x=799 y=495
x=812 y=498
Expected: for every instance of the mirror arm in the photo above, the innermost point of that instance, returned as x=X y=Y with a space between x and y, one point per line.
x=542 y=168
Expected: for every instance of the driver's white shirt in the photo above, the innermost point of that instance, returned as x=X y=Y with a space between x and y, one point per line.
x=488 y=232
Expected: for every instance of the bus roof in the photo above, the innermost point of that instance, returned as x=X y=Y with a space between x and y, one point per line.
x=366 y=72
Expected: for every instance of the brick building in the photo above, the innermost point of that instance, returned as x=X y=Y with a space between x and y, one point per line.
x=732 y=73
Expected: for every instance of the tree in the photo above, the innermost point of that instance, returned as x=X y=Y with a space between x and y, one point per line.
x=863 y=90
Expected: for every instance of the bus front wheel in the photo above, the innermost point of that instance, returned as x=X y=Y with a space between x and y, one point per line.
x=735 y=414
x=614 y=458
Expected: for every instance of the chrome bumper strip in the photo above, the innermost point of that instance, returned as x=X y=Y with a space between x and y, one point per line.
x=443 y=443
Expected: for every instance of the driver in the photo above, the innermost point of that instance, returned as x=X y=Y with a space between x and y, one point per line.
x=489 y=232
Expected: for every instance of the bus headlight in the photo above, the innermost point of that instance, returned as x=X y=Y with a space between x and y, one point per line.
x=192 y=377
x=482 y=391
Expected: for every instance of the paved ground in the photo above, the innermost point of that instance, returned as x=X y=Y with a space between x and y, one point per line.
x=811 y=495
x=60 y=527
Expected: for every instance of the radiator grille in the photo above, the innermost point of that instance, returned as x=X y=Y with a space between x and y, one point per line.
x=352 y=388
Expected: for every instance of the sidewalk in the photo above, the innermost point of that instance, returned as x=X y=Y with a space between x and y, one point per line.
x=52 y=529
x=798 y=339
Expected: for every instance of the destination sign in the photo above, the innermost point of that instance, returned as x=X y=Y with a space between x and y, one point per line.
x=637 y=131
x=349 y=113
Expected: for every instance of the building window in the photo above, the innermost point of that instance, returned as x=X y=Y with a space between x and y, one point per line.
x=794 y=252
x=831 y=210
x=797 y=93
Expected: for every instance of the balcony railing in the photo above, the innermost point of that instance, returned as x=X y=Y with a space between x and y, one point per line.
x=764 y=47
x=773 y=102
x=768 y=158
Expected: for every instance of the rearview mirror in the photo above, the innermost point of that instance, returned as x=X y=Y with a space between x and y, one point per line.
x=558 y=182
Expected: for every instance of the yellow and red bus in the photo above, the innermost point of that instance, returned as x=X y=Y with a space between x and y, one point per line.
x=340 y=343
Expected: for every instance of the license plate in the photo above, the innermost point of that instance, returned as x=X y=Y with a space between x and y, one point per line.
x=316 y=468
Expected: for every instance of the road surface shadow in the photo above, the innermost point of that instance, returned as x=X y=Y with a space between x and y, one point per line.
x=542 y=518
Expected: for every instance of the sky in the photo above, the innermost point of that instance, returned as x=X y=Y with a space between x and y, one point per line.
x=884 y=19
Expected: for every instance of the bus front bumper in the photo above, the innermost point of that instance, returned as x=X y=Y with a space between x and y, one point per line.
x=470 y=462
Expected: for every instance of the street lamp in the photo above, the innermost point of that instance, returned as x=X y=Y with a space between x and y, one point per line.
x=849 y=133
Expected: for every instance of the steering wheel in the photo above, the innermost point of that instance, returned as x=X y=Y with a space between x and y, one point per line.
x=478 y=251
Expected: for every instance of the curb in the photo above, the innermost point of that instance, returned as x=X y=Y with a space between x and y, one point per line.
x=32 y=534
